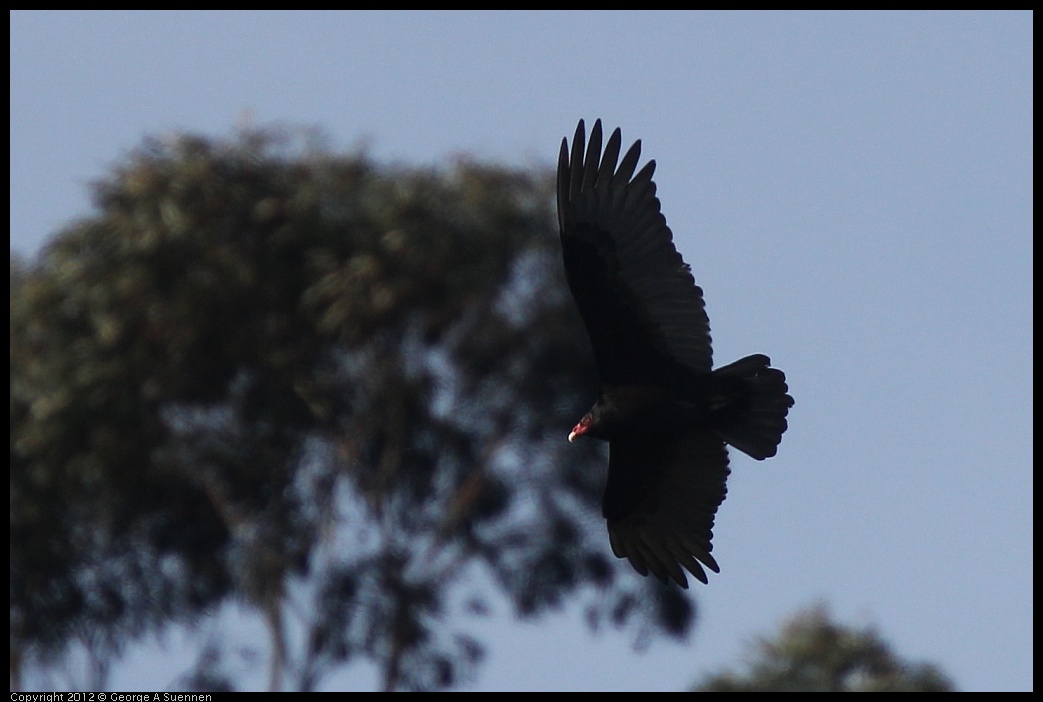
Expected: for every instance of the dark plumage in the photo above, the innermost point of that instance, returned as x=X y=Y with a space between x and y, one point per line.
x=663 y=409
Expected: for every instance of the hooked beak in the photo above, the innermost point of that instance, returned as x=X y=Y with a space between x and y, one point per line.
x=572 y=436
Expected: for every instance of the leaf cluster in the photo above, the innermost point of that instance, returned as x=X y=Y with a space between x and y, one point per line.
x=813 y=653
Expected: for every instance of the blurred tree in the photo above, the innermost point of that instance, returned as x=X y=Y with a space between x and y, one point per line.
x=332 y=390
x=812 y=653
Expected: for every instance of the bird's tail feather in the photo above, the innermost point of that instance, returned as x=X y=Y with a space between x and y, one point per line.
x=753 y=417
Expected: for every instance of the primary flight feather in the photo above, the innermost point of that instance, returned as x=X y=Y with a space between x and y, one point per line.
x=666 y=413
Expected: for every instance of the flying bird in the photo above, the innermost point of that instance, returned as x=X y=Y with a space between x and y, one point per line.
x=664 y=411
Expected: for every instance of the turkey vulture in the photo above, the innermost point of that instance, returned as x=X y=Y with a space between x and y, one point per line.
x=664 y=411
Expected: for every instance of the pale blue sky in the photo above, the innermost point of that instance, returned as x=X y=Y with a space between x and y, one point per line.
x=853 y=192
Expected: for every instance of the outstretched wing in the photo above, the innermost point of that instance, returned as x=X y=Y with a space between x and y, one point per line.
x=661 y=499
x=643 y=311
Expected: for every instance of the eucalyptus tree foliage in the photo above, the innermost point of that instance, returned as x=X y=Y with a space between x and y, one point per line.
x=814 y=653
x=335 y=390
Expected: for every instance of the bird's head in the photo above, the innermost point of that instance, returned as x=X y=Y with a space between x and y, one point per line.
x=582 y=428
x=597 y=423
